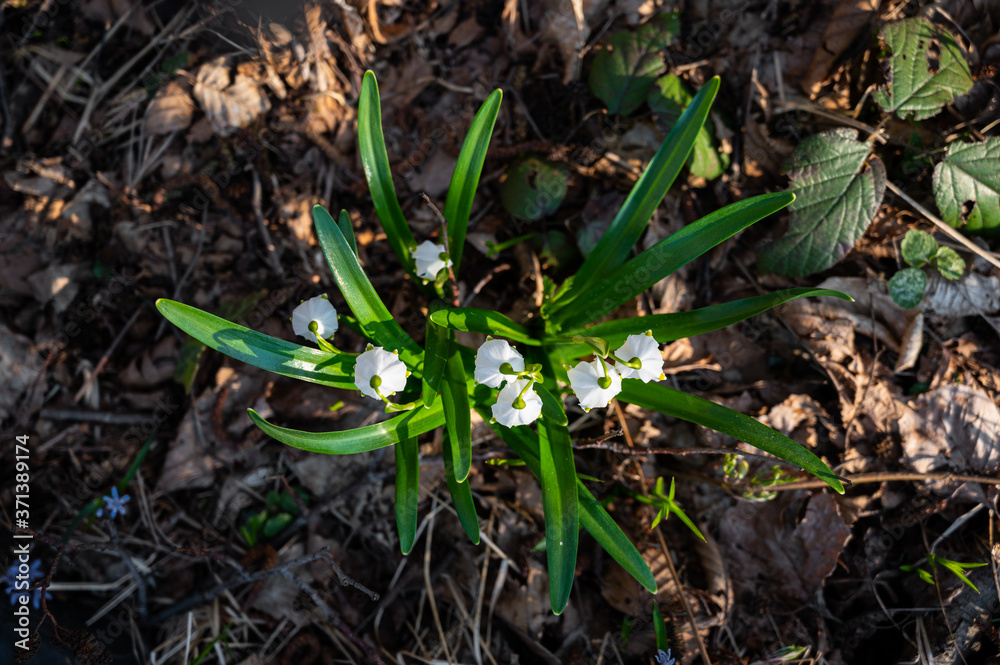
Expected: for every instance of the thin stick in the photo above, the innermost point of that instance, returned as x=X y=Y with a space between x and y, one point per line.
x=107 y=355
x=955 y=235
x=258 y=214
x=103 y=417
x=687 y=605
x=866 y=478
x=430 y=590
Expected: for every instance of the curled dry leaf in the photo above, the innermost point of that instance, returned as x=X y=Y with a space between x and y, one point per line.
x=953 y=427
x=171 y=110
x=228 y=107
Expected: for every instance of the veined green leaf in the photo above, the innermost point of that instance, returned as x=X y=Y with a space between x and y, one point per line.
x=274 y=355
x=562 y=528
x=593 y=517
x=344 y=222
x=666 y=256
x=407 y=492
x=461 y=495
x=375 y=159
x=437 y=350
x=465 y=179
x=359 y=293
x=483 y=321
x=455 y=402
x=679 y=325
x=967 y=186
x=678 y=404
x=360 y=440
x=645 y=196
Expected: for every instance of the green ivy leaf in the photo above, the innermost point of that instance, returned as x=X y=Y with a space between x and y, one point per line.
x=907 y=287
x=967 y=186
x=918 y=247
x=927 y=69
x=533 y=188
x=668 y=97
x=624 y=70
x=949 y=263
x=838 y=186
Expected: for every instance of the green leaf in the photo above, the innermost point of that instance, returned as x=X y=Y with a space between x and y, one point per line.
x=461 y=495
x=593 y=517
x=967 y=186
x=701 y=411
x=372 y=315
x=274 y=355
x=660 y=629
x=624 y=70
x=838 y=186
x=918 y=247
x=559 y=502
x=679 y=325
x=274 y=525
x=552 y=407
x=949 y=263
x=344 y=222
x=465 y=179
x=666 y=256
x=927 y=69
x=375 y=159
x=455 y=401
x=485 y=321
x=668 y=98
x=407 y=492
x=907 y=286
x=645 y=197
x=360 y=440
x=533 y=188
x=437 y=350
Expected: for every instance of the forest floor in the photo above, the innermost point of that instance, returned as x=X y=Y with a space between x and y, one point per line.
x=175 y=150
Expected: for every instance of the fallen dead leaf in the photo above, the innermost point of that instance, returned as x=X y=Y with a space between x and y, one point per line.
x=954 y=427
x=970 y=295
x=228 y=106
x=58 y=284
x=849 y=19
x=171 y=110
x=19 y=366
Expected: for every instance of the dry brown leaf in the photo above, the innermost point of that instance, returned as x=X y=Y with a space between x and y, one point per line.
x=19 y=365
x=769 y=556
x=970 y=295
x=58 y=284
x=228 y=107
x=189 y=465
x=849 y=19
x=171 y=110
x=798 y=418
x=953 y=427
x=78 y=212
x=155 y=366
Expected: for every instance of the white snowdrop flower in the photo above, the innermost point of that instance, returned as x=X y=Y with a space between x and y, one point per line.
x=646 y=350
x=316 y=311
x=517 y=406
x=429 y=261
x=592 y=386
x=491 y=356
x=379 y=371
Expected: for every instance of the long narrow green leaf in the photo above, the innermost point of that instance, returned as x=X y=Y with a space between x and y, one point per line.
x=678 y=404
x=375 y=159
x=559 y=502
x=371 y=312
x=592 y=515
x=666 y=256
x=646 y=195
x=407 y=492
x=274 y=355
x=483 y=321
x=344 y=222
x=465 y=179
x=455 y=402
x=679 y=325
x=461 y=496
x=437 y=350
x=552 y=408
x=361 y=440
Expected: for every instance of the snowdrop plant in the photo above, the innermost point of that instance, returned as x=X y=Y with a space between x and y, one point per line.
x=523 y=393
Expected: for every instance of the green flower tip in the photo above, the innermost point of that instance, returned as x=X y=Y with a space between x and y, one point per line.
x=604 y=382
x=376 y=382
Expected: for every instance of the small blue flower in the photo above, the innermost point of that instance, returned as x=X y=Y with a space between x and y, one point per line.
x=663 y=658
x=114 y=504
x=34 y=574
